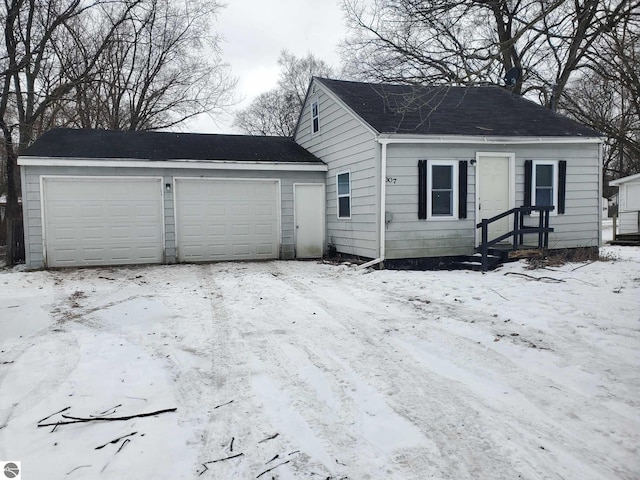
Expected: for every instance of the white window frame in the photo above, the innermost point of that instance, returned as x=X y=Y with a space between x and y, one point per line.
x=454 y=189
x=316 y=103
x=534 y=165
x=339 y=196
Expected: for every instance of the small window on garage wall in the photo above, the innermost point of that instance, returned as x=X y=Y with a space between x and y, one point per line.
x=315 y=116
x=343 y=186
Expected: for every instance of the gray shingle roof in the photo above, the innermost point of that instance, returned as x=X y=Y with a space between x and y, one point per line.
x=442 y=110
x=66 y=142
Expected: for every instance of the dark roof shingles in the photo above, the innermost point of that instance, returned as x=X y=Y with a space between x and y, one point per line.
x=442 y=110
x=73 y=143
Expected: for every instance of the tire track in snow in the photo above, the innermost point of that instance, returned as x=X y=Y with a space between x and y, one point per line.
x=480 y=430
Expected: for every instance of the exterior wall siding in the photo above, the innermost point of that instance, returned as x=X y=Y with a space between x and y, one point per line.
x=628 y=222
x=33 y=213
x=409 y=237
x=344 y=143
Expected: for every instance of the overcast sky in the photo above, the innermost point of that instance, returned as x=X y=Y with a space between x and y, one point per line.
x=255 y=32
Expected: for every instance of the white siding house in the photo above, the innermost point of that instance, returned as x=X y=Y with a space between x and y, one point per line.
x=427 y=164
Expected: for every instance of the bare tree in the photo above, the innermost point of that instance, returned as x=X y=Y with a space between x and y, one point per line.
x=161 y=68
x=276 y=111
x=607 y=97
x=35 y=66
x=460 y=42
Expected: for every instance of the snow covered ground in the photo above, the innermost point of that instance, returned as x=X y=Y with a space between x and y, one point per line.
x=323 y=371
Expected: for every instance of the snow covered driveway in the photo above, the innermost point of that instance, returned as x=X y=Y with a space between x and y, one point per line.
x=310 y=370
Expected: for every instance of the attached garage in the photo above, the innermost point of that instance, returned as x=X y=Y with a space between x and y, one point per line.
x=221 y=219
x=97 y=197
x=102 y=221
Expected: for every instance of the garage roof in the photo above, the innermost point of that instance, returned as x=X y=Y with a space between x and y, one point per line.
x=445 y=110
x=97 y=144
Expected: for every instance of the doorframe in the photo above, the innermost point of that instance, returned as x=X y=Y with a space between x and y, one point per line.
x=323 y=189
x=511 y=157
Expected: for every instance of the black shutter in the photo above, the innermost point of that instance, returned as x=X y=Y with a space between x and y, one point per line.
x=462 y=189
x=422 y=189
x=528 y=178
x=562 y=184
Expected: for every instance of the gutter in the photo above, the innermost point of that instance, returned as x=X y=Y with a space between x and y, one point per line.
x=383 y=204
x=467 y=139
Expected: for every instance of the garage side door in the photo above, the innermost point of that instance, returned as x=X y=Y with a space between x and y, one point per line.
x=102 y=221
x=220 y=219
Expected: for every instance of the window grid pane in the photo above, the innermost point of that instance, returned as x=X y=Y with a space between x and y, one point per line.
x=344 y=195
x=344 y=207
x=441 y=202
x=441 y=190
x=543 y=188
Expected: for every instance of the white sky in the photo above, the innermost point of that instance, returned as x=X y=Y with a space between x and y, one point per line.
x=255 y=31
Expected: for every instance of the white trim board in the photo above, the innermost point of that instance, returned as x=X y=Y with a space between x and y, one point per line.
x=179 y=164
x=469 y=139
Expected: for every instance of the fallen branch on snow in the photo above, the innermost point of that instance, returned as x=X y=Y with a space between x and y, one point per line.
x=116 y=440
x=218 y=460
x=273 y=468
x=537 y=279
x=269 y=438
x=59 y=411
x=105 y=419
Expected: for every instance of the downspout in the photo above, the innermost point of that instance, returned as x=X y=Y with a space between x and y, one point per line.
x=383 y=205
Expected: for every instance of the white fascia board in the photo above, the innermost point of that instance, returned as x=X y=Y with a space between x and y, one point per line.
x=179 y=164
x=630 y=178
x=470 y=139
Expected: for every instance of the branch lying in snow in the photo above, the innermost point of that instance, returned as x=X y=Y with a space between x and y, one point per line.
x=273 y=468
x=59 y=411
x=218 y=460
x=81 y=466
x=105 y=419
x=537 y=279
x=115 y=440
x=269 y=438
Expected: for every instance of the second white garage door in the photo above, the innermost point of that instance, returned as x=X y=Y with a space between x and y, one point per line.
x=220 y=219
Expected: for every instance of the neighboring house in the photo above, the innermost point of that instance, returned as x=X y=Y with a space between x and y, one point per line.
x=628 y=203
x=95 y=197
x=413 y=169
x=376 y=171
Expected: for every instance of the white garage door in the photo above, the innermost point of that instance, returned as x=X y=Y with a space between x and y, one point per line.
x=220 y=219
x=102 y=221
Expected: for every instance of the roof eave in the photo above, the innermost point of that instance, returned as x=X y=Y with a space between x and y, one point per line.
x=173 y=163
x=485 y=139
x=622 y=180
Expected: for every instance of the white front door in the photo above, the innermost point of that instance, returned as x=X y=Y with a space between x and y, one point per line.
x=309 y=220
x=495 y=179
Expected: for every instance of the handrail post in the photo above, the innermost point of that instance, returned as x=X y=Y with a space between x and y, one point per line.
x=485 y=244
x=540 y=224
x=546 y=228
x=516 y=217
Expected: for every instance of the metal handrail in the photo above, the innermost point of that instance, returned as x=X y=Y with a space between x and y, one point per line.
x=519 y=230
